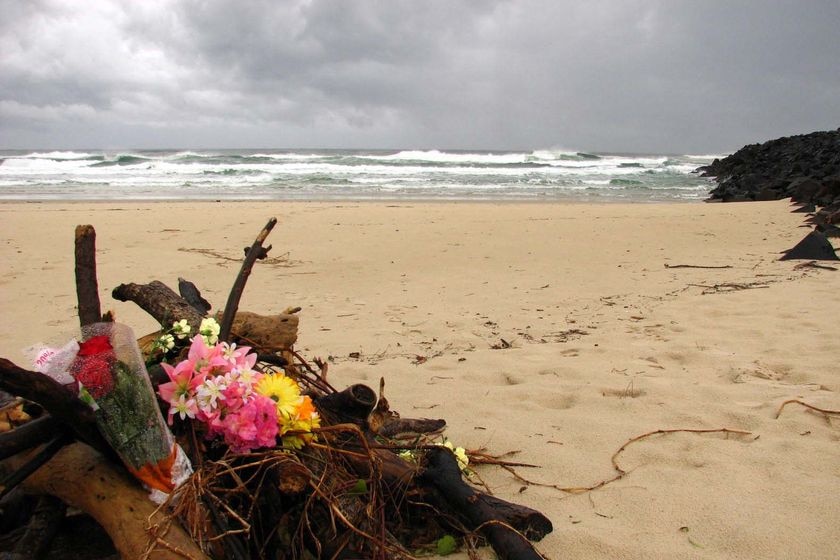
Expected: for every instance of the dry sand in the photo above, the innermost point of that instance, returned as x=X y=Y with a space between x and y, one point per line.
x=611 y=338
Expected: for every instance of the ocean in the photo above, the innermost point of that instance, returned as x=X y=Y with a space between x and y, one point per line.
x=557 y=175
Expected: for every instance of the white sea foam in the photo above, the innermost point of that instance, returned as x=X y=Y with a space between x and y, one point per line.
x=57 y=155
x=285 y=156
x=436 y=156
x=325 y=174
x=709 y=157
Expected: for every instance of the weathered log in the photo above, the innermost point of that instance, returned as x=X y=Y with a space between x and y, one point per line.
x=84 y=479
x=36 y=432
x=35 y=461
x=265 y=333
x=506 y=525
x=192 y=295
x=493 y=518
x=409 y=426
x=55 y=399
x=387 y=423
x=354 y=404
x=160 y=301
x=87 y=286
x=42 y=528
x=255 y=252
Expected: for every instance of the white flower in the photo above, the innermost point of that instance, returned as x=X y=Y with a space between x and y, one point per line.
x=246 y=376
x=209 y=330
x=209 y=393
x=183 y=407
x=181 y=329
x=165 y=342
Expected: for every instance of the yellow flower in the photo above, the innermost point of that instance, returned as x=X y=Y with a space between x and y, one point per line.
x=407 y=455
x=296 y=430
x=283 y=391
x=460 y=454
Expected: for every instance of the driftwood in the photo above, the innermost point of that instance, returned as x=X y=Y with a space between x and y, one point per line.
x=42 y=528
x=192 y=295
x=256 y=251
x=357 y=445
x=506 y=525
x=87 y=286
x=266 y=333
x=58 y=401
x=499 y=521
x=160 y=301
x=84 y=479
x=36 y=432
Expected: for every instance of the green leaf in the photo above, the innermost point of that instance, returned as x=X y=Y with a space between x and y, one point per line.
x=446 y=545
x=359 y=488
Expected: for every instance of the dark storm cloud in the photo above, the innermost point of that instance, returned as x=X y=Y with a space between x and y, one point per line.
x=608 y=75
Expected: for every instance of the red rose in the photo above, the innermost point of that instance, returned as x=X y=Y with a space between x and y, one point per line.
x=94 y=372
x=95 y=345
x=92 y=367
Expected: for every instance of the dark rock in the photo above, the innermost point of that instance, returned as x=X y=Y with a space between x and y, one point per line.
x=804 y=209
x=803 y=189
x=814 y=247
x=767 y=193
x=805 y=167
x=829 y=230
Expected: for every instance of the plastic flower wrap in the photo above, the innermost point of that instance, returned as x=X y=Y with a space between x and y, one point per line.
x=112 y=378
x=218 y=386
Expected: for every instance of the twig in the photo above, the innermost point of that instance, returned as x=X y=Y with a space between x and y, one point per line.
x=621 y=473
x=672 y=431
x=729 y=287
x=255 y=252
x=806 y=405
x=480 y=458
x=814 y=264
x=694 y=266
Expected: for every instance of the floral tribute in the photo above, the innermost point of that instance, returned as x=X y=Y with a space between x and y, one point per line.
x=217 y=386
x=109 y=374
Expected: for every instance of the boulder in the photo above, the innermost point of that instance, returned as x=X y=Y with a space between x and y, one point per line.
x=805 y=167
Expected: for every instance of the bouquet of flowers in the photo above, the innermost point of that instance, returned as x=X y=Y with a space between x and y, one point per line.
x=218 y=386
x=112 y=378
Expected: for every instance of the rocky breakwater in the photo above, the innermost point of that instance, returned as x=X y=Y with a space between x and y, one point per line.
x=804 y=168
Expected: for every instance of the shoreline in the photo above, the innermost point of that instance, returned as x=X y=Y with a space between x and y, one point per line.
x=616 y=329
x=372 y=200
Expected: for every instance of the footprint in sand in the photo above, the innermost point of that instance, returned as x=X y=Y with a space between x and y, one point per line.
x=761 y=372
x=564 y=372
x=556 y=402
x=503 y=379
x=650 y=361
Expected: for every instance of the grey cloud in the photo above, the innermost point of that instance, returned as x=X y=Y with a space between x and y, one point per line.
x=675 y=76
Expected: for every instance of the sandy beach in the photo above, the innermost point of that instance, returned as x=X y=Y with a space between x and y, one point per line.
x=558 y=331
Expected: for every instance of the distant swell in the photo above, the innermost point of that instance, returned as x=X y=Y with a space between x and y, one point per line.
x=122 y=160
x=557 y=174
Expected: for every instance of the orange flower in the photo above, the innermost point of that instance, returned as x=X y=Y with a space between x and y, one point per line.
x=306 y=408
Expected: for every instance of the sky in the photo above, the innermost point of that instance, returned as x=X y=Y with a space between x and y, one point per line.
x=669 y=76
